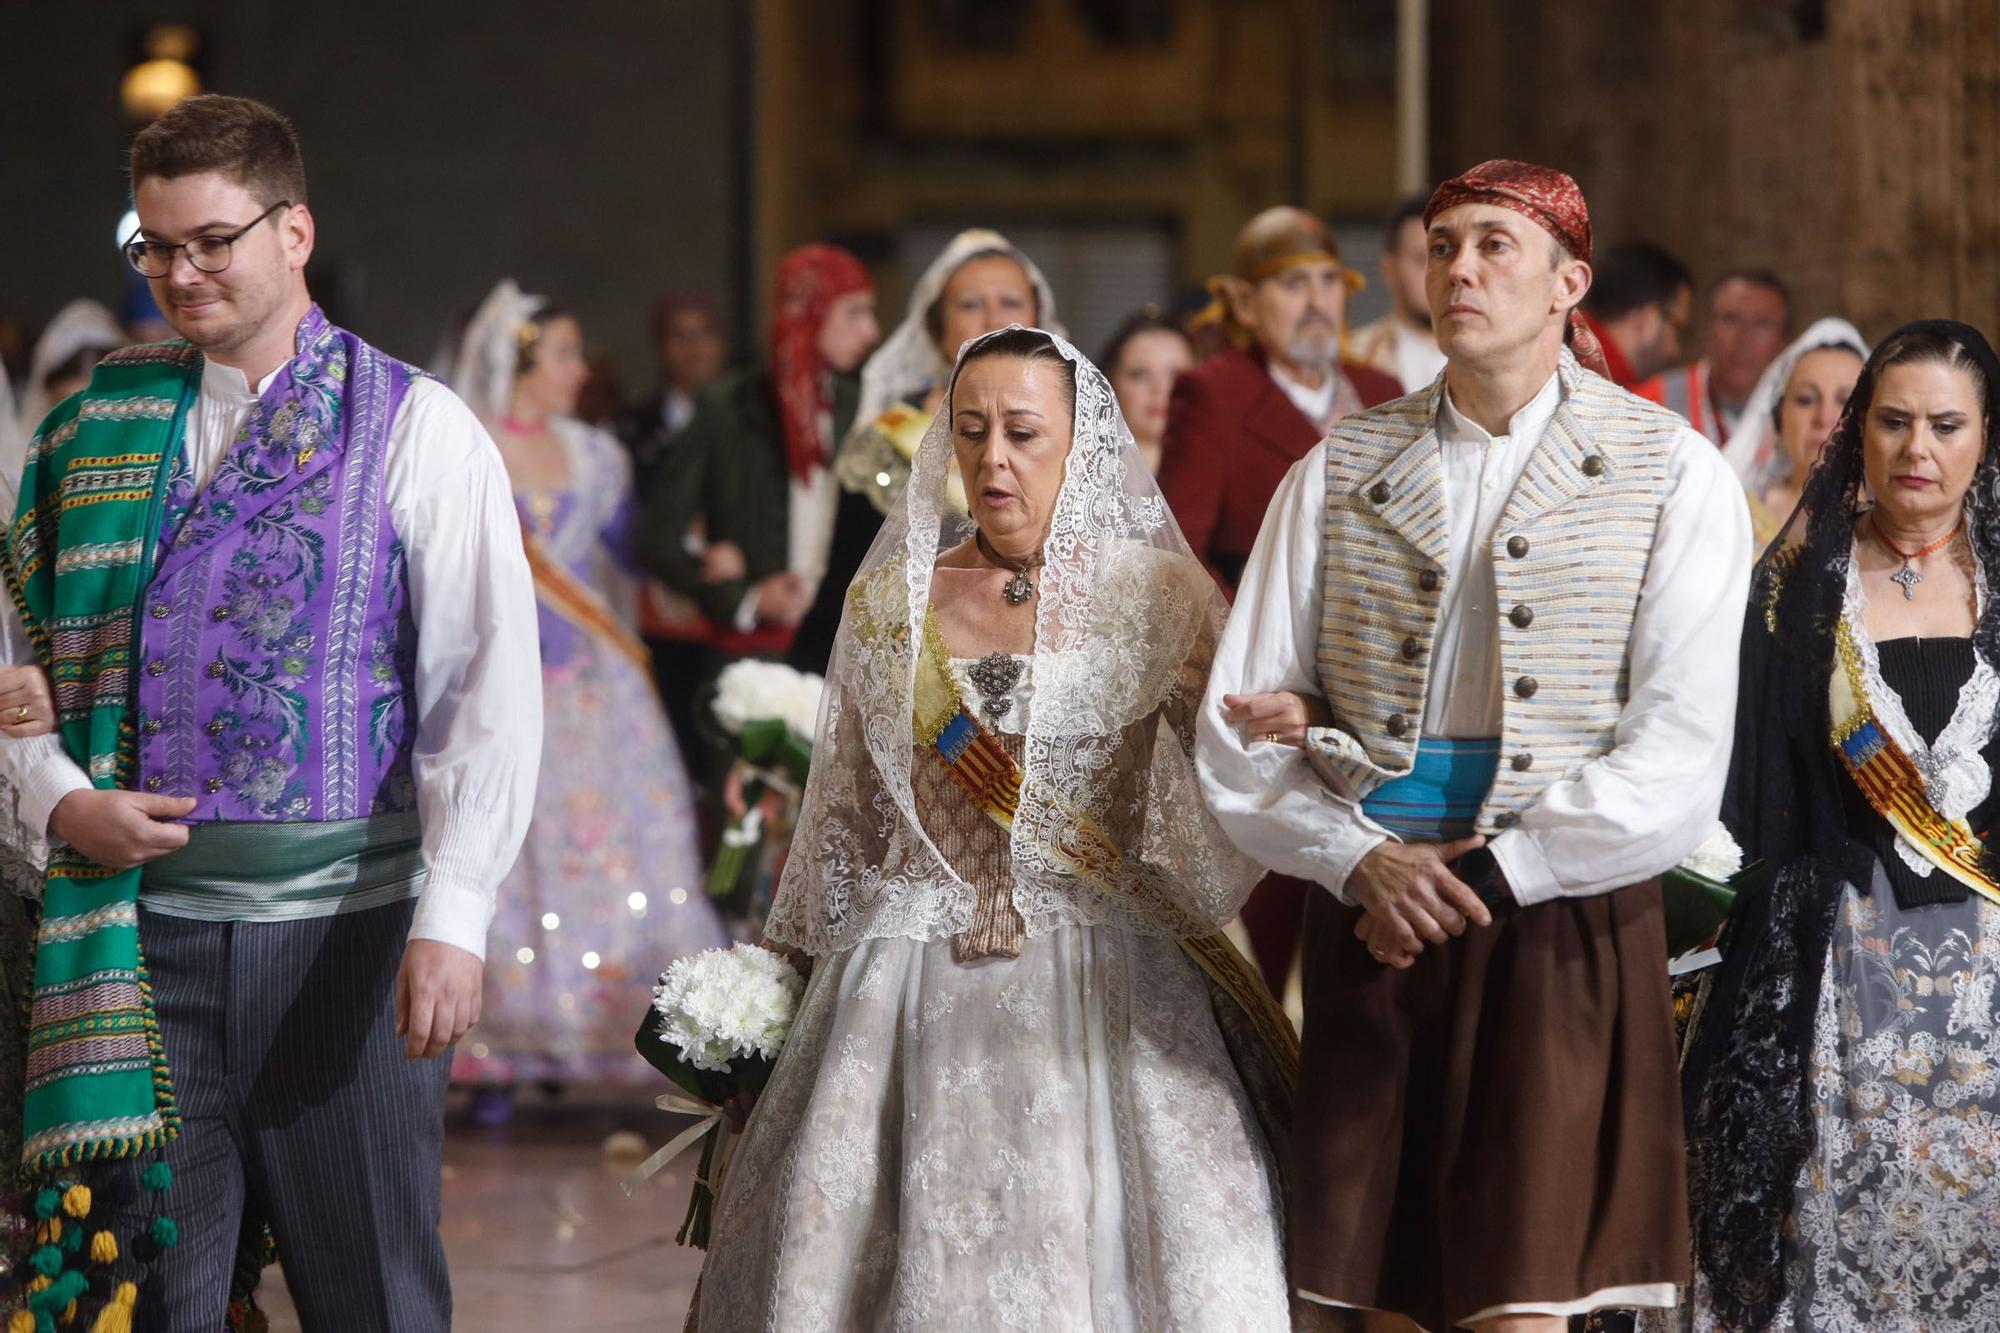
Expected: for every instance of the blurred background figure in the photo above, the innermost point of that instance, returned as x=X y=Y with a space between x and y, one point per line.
x=1402 y=344
x=1142 y=361
x=688 y=349
x=1639 y=303
x=74 y=342
x=1238 y=421
x=978 y=283
x=742 y=521
x=608 y=889
x=1749 y=317
x=1793 y=409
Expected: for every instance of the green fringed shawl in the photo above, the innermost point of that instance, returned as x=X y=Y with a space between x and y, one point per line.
x=77 y=560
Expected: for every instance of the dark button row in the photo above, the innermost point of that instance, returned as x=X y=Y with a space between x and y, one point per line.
x=209 y=785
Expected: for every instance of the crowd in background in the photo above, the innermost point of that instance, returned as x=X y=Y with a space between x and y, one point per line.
x=720 y=512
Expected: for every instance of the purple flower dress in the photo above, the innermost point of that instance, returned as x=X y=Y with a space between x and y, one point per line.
x=608 y=889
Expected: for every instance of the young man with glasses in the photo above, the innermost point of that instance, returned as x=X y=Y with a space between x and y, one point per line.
x=277 y=581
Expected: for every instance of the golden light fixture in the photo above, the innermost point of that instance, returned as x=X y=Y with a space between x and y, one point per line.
x=165 y=76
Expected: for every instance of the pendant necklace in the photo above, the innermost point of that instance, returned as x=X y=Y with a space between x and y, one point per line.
x=1906 y=578
x=1019 y=588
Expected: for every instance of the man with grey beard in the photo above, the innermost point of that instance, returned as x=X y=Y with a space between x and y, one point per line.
x=1237 y=423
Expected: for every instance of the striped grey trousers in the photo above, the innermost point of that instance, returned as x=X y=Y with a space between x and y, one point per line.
x=296 y=1100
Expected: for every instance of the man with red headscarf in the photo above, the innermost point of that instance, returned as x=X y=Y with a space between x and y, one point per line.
x=752 y=466
x=1479 y=685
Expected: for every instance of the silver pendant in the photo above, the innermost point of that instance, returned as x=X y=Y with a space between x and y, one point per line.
x=1907 y=579
x=1019 y=589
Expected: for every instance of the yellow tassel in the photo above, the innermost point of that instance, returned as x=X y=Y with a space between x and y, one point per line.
x=76 y=1202
x=54 y=1226
x=116 y=1317
x=68 y=1314
x=36 y=1284
x=42 y=1234
x=104 y=1248
x=22 y=1322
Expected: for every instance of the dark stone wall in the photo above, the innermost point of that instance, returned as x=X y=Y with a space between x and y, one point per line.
x=591 y=150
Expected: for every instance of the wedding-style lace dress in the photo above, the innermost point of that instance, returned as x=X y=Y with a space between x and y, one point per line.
x=1056 y=1141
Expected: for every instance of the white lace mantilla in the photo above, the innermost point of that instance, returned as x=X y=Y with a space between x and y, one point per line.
x=1126 y=621
x=1954 y=769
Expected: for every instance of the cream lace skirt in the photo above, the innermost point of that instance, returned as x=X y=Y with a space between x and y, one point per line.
x=1057 y=1141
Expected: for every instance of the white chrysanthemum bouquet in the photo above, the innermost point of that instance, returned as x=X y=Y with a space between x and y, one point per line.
x=1699 y=893
x=718 y=1020
x=770 y=712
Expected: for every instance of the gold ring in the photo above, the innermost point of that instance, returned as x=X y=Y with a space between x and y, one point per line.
x=20 y=714
x=1271 y=737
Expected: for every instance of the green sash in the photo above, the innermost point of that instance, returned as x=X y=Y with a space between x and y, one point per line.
x=77 y=562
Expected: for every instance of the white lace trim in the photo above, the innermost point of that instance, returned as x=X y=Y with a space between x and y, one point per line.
x=1954 y=769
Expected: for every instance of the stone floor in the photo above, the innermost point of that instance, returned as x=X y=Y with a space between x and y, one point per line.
x=539 y=1233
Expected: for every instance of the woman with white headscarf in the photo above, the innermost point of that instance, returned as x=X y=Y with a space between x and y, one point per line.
x=977 y=284
x=74 y=341
x=1027 y=1085
x=1788 y=418
x=608 y=889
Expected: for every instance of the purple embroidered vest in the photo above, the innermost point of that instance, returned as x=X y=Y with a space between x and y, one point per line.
x=276 y=649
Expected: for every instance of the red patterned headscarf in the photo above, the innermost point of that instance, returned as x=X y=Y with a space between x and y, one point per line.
x=1548 y=198
x=809 y=280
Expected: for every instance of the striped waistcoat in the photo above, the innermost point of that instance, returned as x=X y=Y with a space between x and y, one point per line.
x=1569 y=555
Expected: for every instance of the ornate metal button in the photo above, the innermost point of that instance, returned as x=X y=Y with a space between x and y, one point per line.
x=1379 y=492
x=1430 y=580
x=215 y=671
x=160 y=611
x=219 y=613
x=213 y=785
x=1526 y=687
x=1593 y=466
x=1398 y=724
x=156 y=667
x=1517 y=547
x=155 y=782
x=1523 y=762
x=153 y=726
x=1411 y=648
x=215 y=727
x=1522 y=616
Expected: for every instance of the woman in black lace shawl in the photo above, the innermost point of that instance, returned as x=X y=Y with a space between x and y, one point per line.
x=1844 y=1120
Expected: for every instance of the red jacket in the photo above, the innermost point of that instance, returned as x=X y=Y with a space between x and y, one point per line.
x=1232 y=434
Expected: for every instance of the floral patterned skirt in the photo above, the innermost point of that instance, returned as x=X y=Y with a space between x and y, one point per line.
x=1895 y=1220
x=1057 y=1141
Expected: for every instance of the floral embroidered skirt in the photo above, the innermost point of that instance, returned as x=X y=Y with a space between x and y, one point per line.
x=607 y=891
x=1057 y=1141
x=1895 y=1218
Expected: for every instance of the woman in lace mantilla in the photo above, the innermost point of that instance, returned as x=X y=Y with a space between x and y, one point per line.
x=1010 y=1101
x=1843 y=1085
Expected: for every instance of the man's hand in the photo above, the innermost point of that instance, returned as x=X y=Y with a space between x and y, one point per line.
x=121 y=829
x=782 y=600
x=26 y=706
x=437 y=996
x=1410 y=896
x=1282 y=718
x=722 y=562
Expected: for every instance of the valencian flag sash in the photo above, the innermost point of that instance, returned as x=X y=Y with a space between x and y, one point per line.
x=1890 y=779
x=983 y=769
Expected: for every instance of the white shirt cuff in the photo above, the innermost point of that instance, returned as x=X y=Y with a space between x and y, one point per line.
x=45 y=775
x=1349 y=854
x=1529 y=876
x=746 y=612
x=454 y=908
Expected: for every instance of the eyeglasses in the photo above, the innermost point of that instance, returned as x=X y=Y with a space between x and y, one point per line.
x=209 y=254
